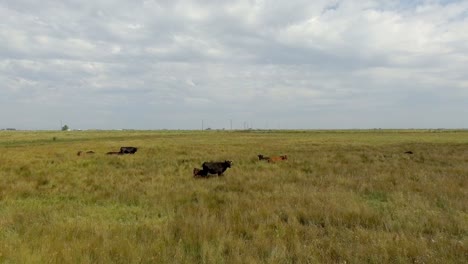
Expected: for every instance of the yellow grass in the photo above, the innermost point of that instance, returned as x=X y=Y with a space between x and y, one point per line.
x=341 y=197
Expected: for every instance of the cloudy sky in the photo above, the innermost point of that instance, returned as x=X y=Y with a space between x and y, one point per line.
x=155 y=64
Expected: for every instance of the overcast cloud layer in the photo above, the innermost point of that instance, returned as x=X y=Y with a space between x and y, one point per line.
x=150 y=64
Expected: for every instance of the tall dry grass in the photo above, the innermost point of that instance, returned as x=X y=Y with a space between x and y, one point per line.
x=342 y=197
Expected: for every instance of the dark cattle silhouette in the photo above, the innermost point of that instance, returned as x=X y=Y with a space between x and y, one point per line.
x=277 y=158
x=199 y=173
x=123 y=150
x=409 y=152
x=215 y=167
x=128 y=150
x=261 y=157
x=114 y=153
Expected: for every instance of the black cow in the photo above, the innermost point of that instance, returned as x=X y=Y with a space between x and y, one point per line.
x=199 y=173
x=128 y=150
x=216 y=167
x=261 y=157
x=114 y=153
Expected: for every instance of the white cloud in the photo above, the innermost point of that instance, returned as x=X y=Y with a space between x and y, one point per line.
x=339 y=63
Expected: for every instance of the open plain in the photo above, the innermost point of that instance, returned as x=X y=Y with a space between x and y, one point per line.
x=340 y=197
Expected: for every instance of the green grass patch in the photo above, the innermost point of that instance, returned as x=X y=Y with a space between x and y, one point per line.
x=349 y=196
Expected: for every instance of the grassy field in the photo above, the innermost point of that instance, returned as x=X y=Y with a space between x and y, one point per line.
x=342 y=197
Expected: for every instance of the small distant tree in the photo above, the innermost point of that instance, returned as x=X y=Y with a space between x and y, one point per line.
x=65 y=128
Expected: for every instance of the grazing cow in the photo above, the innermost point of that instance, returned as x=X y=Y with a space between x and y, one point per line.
x=199 y=173
x=409 y=152
x=277 y=158
x=261 y=157
x=128 y=150
x=216 y=167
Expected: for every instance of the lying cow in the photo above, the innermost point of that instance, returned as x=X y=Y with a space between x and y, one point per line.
x=128 y=150
x=277 y=158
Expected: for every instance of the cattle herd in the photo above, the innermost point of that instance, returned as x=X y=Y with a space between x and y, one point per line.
x=213 y=168
x=220 y=167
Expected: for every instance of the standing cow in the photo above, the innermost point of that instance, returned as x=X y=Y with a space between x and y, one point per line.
x=212 y=168
x=128 y=150
x=216 y=167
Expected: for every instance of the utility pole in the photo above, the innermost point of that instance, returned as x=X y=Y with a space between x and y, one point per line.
x=202 y=124
x=230 y=120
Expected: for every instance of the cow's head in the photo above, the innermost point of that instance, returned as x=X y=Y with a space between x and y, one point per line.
x=284 y=157
x=260 y=156
x=228 y=163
